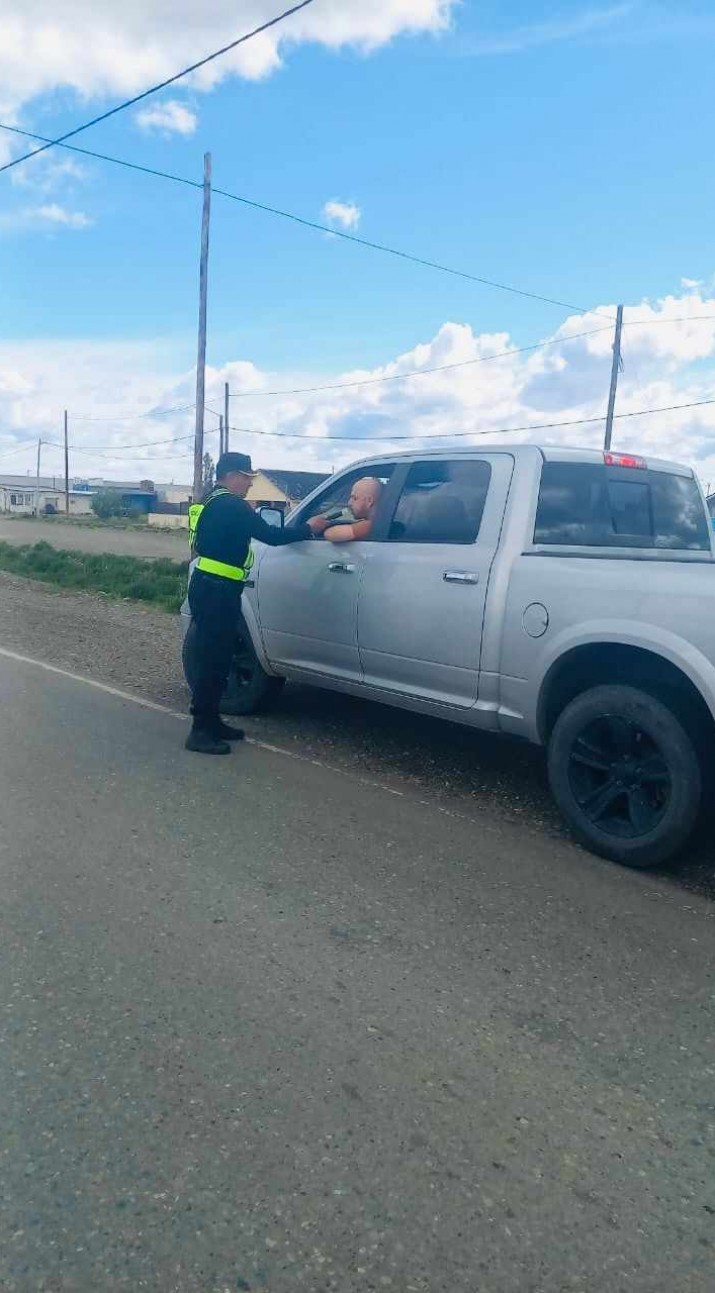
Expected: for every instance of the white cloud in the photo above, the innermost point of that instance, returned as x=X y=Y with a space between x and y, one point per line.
x=98 y=48
x=665 y=363
x=169 y=118
x=50 y=215
x=533 y=35
x=345 y=214
x=48 y=173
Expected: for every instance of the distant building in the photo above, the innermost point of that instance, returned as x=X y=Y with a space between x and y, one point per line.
x=284 y=489
x=138 y=497
x=173 y=499
x=20 y=496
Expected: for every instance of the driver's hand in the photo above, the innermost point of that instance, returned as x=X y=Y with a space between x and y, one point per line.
x=318 y=524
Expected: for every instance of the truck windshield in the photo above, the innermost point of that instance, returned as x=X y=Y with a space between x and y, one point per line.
x=588 y=505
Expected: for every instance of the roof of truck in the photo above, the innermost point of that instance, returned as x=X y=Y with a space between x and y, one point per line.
x=551 y=453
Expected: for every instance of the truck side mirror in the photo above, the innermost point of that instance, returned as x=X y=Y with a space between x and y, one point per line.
x=272 y=516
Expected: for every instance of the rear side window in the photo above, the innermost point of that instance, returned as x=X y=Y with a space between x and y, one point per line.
x=584 y=504
x=441 y=502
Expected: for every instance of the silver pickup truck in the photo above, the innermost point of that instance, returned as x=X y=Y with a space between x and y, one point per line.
x=563 y=596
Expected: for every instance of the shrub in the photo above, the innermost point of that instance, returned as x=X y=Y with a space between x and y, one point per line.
x=105 y=504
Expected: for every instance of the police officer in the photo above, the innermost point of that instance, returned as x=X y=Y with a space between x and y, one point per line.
x=220 y=531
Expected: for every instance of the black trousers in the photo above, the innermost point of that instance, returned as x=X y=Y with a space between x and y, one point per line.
x=215 y=610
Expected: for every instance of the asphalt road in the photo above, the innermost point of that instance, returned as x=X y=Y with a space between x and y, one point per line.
x=140 y=542
x=270 y=1026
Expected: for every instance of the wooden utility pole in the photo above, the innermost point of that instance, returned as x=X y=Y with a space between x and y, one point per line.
x=220 y=434
x=226 y=419
x=201 y=357
x=67 y=471
x=614 y=378
x=37 y=479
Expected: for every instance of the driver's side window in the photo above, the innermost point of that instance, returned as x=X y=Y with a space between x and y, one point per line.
x=335 y=497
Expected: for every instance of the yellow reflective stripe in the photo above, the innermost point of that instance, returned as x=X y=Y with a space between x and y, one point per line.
x=194 y=513
x=211 y=567
x=207 y=564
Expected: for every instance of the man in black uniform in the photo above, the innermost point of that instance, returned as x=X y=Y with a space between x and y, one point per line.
x=222 y=542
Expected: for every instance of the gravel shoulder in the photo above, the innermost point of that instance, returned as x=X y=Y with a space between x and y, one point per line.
x=138 y=649
x=84 y=538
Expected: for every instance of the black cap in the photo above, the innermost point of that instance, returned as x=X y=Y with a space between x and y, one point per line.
x=229 y=462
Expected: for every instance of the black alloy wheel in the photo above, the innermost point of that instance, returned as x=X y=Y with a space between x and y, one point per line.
x=619 y=777
x=625 y=773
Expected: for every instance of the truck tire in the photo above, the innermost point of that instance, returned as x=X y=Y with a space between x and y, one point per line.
x=249 y=688
x=625 y=775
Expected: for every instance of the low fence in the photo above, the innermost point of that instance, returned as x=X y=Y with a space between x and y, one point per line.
x=167 y=522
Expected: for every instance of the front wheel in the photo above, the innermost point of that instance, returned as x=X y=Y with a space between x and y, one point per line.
x=249 y=688
x=625 y=775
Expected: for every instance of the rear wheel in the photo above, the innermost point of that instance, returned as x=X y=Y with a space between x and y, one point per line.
x=249 y=687
x=625 y=774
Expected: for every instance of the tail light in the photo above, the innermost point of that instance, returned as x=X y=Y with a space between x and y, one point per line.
x=625 y=460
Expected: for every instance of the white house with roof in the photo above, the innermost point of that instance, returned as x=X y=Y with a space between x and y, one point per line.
x=20 y=496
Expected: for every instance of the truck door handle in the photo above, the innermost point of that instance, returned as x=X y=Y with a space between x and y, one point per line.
x=341 y=567
x=460 y=577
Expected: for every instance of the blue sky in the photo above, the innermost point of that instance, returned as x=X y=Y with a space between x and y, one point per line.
x=566 y=149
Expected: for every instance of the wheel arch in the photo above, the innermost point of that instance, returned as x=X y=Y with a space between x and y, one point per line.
x=249 y=612
x=594 y=664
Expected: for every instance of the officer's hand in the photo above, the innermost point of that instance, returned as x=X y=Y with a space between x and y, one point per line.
x=318 y=524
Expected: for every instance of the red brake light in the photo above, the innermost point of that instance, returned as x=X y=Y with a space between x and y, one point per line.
x=625 y=460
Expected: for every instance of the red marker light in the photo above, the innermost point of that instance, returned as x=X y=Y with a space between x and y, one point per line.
x=625 y=460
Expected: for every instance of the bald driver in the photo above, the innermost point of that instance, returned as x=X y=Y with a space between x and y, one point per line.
x=362 y=506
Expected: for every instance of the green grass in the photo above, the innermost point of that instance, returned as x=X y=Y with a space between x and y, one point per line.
x=161 y=582
x=87 y=520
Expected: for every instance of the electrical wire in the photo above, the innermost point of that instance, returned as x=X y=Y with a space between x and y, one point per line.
x=19 y=449
x=100 y=450
x=419 y=372
x=130 y=451
x=314 y=224
x=391 y=377
x=129 y=103
x=125 y=451
x=464 y=363
x=133 y=417
x=450 y=435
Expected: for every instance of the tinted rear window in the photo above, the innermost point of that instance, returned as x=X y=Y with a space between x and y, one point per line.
x=613 y=507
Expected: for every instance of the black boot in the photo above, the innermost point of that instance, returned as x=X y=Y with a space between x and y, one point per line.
x=225 y=732
x=203 y=742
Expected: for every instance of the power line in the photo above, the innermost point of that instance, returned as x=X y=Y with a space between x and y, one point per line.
x=464 y=363
x=133 y=417
x=313 y=224
x=450 y=435
x=128 y=103
x=420 y=372
x=310 y=224
x=391 y=377
x=11 y=453
x=130 y=451
x=125 y=451
x=409 y=256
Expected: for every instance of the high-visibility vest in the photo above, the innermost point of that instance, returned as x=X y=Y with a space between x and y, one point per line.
x=207 y=564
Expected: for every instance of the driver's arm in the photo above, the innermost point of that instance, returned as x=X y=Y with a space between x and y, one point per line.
x=346 y=533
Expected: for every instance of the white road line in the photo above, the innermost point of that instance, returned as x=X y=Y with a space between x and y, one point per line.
x=369 y=784
x=173 y=713
x=90 y=682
